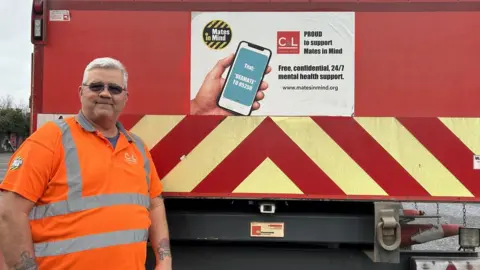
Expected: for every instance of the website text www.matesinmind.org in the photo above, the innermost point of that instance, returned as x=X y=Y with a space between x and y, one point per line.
x=311 y=87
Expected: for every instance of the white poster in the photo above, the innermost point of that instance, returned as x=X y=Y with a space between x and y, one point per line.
x=311 y=57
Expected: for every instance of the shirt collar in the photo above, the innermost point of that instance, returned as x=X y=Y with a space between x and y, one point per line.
x=89 y=127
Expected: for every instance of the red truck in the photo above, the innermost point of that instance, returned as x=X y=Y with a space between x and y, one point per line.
x=317 y=181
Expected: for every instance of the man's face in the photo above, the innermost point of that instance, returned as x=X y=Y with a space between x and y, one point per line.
x=99 y=103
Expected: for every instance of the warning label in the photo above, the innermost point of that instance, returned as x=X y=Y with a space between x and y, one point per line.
x=267 y=229
x=476 y=162
x=59 y=15
x=217 y=34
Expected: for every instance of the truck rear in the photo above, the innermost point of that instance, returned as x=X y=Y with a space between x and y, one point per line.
x=369 y=104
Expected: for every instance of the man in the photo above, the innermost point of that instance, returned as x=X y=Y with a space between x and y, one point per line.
x=82 y=192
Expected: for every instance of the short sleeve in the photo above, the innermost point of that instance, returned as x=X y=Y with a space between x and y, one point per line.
x=29 y=169
x=156 y=187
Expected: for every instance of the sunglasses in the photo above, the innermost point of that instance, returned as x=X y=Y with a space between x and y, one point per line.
x=114 y=89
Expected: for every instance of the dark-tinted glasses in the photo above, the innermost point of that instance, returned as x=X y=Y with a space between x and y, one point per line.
x=98 y=87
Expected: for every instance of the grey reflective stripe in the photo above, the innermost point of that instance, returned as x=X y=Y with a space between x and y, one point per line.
x=124 y=131
x=146 y=161
x=84 y=123
x=72 y=164
x=86 y=203
x=90 y=242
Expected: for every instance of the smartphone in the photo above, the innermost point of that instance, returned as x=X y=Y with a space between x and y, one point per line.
x=244 y=78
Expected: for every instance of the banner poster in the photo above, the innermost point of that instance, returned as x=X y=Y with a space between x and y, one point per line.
x=306 y=61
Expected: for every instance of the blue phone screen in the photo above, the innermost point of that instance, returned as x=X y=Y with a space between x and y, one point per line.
x=245 y=76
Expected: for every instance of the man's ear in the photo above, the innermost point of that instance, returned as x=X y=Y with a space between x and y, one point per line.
x=80 y=91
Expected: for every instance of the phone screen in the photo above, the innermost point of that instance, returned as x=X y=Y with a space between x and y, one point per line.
x=244 y=78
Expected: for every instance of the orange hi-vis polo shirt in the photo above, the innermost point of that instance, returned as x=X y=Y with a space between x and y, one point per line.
x=91 y=201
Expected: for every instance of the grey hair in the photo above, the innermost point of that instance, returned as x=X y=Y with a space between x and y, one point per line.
x=106 y=63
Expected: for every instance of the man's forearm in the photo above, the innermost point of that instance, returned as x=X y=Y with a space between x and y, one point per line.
x=159 y=234
x=16 y=241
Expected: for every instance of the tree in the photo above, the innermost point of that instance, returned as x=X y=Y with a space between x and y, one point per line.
x=14 y=118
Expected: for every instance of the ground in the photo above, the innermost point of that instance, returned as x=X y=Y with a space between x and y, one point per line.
x=4 y=158
x=451 y=213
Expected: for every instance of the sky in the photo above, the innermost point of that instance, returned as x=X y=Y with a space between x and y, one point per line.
x=15 y=49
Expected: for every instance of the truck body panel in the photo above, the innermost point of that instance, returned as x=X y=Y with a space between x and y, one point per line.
x=413 y=136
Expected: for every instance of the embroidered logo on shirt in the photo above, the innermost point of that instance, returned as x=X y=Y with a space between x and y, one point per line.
x=16 y=163
x=130 y=158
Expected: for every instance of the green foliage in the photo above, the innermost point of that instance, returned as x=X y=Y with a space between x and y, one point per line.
x=14 y=119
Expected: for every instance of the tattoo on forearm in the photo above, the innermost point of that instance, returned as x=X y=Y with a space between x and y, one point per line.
x=27 y=262
x=163 y=249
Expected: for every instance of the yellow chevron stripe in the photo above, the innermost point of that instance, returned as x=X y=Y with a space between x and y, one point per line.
x=152 y=128
x=268 y=178
x=467 y=130
x=209 y=153
x=329 y=156
x=413 y=156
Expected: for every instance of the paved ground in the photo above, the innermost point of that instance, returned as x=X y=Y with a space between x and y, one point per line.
x=4 y=158
x=451 y=213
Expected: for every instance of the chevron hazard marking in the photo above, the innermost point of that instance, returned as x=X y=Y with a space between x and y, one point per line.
x=446 y=147
x=330 y=157
x=152 y=128
x=467 y=130
x=413 y=156
x=130 y=120
x=268 y=178
x=268 y=140
x=371 y=156
x=181 y=140
x=209 y=153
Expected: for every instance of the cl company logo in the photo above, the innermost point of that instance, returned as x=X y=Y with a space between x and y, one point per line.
x=288 y=42
x=130 y=158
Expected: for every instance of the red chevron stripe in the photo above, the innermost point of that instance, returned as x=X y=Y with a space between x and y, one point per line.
x=447 y=148
x=181 y=140
x=268 y=140
x=371 y=156
x=129 y=120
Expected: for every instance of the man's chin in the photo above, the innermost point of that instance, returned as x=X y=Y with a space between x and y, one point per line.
x=104 y=113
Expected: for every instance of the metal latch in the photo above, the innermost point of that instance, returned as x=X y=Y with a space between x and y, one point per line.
x=388 y=231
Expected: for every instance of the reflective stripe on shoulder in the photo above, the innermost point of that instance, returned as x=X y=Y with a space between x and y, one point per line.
x=72 y=163
x=146 y=162
x=92 y=241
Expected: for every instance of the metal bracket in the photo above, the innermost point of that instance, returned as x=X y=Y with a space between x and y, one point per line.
x=387 y=232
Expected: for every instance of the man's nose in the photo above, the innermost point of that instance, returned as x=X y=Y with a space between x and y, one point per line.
x=105 y=92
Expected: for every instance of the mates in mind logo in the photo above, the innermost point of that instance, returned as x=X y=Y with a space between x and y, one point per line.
x=217 y=34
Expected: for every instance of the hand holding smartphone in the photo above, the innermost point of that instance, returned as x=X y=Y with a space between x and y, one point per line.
x=244 y=78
